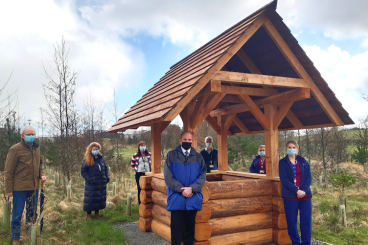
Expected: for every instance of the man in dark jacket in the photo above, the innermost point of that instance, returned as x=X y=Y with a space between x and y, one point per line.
x=209 y=155
x=185 y=175
x=23 y=170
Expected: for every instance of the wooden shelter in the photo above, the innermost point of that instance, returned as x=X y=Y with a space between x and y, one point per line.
x=252 y=78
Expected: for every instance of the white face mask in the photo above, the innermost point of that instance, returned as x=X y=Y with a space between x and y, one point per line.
x=208 y=145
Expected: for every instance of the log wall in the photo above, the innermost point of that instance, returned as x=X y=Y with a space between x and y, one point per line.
x=235 y=210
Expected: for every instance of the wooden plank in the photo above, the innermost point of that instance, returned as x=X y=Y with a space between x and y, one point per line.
x=145 y=182
x=145 y=210
x=281 y=113
x=239 y=206
x=248 y=237
x=211 y=121
x=288 y=96
x=198 y=109
x=222 y=145
x=241 y=125
x=208 y=108
x=156 y=147
x=239 y=188
x=230 y=110
x=241 y=223
x=293 y=119
x=278 y=204
x=144 y=224
x=249 y=175
x=257 y=113
x=248 y=62
x=271 y=142
x=247 y=78
x=280 y=237
x=248 y=91
x=229 y=121
x=230 y=98
x=159 y=185
x=217 y=67
x=146 y=196
x=161 y=229
x=215 y=86
x=299 y=69
x=279 y=221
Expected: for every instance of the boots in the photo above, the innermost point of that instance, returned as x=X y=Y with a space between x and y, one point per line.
x=97 y=214
x=89 y=217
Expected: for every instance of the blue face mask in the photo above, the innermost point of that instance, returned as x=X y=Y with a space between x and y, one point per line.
x=291 y=152
x=30 y=139
x=208 y=145
x=142 y=148
x=95 y=152
x=262 y=153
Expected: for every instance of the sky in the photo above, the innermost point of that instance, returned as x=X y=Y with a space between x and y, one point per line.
x=128 y=45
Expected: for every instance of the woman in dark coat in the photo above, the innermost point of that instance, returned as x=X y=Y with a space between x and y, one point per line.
x=95 y=173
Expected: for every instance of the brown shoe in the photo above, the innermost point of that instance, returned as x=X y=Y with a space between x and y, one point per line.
x=89 y=217
x=97 y=215
x=15 y=242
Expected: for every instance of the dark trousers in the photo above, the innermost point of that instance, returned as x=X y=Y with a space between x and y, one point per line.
x=90 y=212
x=305 y=212
x=182 y=220
x=137 y=176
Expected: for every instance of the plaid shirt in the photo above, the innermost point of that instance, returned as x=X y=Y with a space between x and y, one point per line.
x=135 y=161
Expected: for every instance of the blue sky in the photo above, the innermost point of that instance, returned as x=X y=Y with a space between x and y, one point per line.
x=129 y=45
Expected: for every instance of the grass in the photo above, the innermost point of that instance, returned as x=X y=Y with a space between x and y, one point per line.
x=127 y=152
x=64 y=220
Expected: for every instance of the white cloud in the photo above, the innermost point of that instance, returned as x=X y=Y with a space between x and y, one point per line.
x=345 y=74
x=365 y=43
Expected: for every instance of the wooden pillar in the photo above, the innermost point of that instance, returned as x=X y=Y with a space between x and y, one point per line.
x=156 y=129
x=187 y=117
x=271 y=142
x=222 y=145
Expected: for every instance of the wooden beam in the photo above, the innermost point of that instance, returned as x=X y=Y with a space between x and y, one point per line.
x=217 y=67
x=208 y=108
x=246 y=78
x=230 y=98
x=257 y=113
x=213 y=122
x=299 y=69
x=271 y=142
x=198 y=109
x=222 y=144
x=254 y=69
x=241 y=125
x=248 y=91
x=281 y=113
x=285 y=97
x=156 y=129
x=229 y=121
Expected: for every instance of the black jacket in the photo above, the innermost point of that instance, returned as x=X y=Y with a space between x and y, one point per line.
x=207 y=158
x=95 y=185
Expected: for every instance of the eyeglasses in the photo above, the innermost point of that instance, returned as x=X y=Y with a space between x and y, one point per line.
x=30 y=134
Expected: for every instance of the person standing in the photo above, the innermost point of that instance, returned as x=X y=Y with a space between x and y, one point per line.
x=96 y=175
x=141 y=163
x=23 y=170
x=258 y=165
x=296 y=178
x=185 y=175
x=209 y=155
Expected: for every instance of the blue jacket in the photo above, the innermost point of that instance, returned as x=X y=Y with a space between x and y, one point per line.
x=95 y=184
x=207 y=159
x=286 y=174
x=180 y=173
x=254 y=167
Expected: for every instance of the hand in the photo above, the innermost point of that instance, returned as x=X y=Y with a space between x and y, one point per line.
x=187 y=191
x=9 y=194
x=300 y=194
x=43 y=178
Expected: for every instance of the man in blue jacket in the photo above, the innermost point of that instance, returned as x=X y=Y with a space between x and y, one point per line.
x=185 y=175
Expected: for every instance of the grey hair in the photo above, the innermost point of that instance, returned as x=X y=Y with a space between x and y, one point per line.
x=208 y=137
x=24 y=129
x=261 y=146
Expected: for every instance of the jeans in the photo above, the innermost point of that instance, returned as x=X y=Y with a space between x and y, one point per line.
x=21 y=198
x=305 y=212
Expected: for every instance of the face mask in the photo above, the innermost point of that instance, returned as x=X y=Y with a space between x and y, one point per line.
x=186 y=145
x=142 y=148
x=262 y=153
x=291 y=152
x=209 y=145
x=95 y=152
x=30 y=139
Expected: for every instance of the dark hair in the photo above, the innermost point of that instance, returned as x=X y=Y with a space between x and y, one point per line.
x=181 y=136
x=139 y=151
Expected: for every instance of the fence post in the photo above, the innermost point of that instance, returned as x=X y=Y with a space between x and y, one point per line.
x=343 y=215
x=57 y=179
x=129 y=204
x=6 y=213
x=113 y=188
x=69 y=192
x=35 y=235
x=320 y=181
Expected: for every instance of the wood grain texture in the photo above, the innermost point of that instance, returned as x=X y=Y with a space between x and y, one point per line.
x=280 y=237
x=145 y=182
x=276 y=188
x=241 y=223
x=239 y=206
x=161 y=229
x=146 y=196
x=279 y=221
x=159 y=198
x=247 y=237
x=278 y=204
x=144 y=224
x=145 y=210
x=159 y=185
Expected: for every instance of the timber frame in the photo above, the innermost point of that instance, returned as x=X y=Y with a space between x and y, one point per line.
x=253 y=78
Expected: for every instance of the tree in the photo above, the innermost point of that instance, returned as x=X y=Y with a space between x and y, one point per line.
x=240 y=146
x=361 y=136
x=324 y=140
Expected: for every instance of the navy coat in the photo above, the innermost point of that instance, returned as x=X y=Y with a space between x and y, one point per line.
x=207 y=159
x=254 y=167
x=95 y=184
x=286 y=174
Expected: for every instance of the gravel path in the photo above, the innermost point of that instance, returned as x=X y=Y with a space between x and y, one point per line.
x=133 y=236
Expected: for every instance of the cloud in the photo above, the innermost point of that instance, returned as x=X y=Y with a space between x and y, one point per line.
x=345 y=74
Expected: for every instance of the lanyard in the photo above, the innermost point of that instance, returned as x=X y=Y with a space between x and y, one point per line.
x=294 y=168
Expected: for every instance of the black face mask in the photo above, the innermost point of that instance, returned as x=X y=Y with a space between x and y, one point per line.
x=186 y=145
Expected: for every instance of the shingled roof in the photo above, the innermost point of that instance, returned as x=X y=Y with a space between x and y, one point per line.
x=182 y=82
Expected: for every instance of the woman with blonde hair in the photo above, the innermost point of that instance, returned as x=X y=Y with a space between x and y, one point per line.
x=296 y=178
x=95 y=173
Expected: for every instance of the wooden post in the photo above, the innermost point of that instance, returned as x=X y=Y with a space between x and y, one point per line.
x=187 y=118
x=69 y=192
x=129 y=204
x=6 y=213
x=156 y=148
x=271 y=142
x=35 y=235
x=57 y=179
x=222 y=145
x=343 y=215
x=113 y=188
x=320 y=181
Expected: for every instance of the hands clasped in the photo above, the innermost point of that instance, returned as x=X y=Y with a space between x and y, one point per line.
x=300 y=194
x=187 y=191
